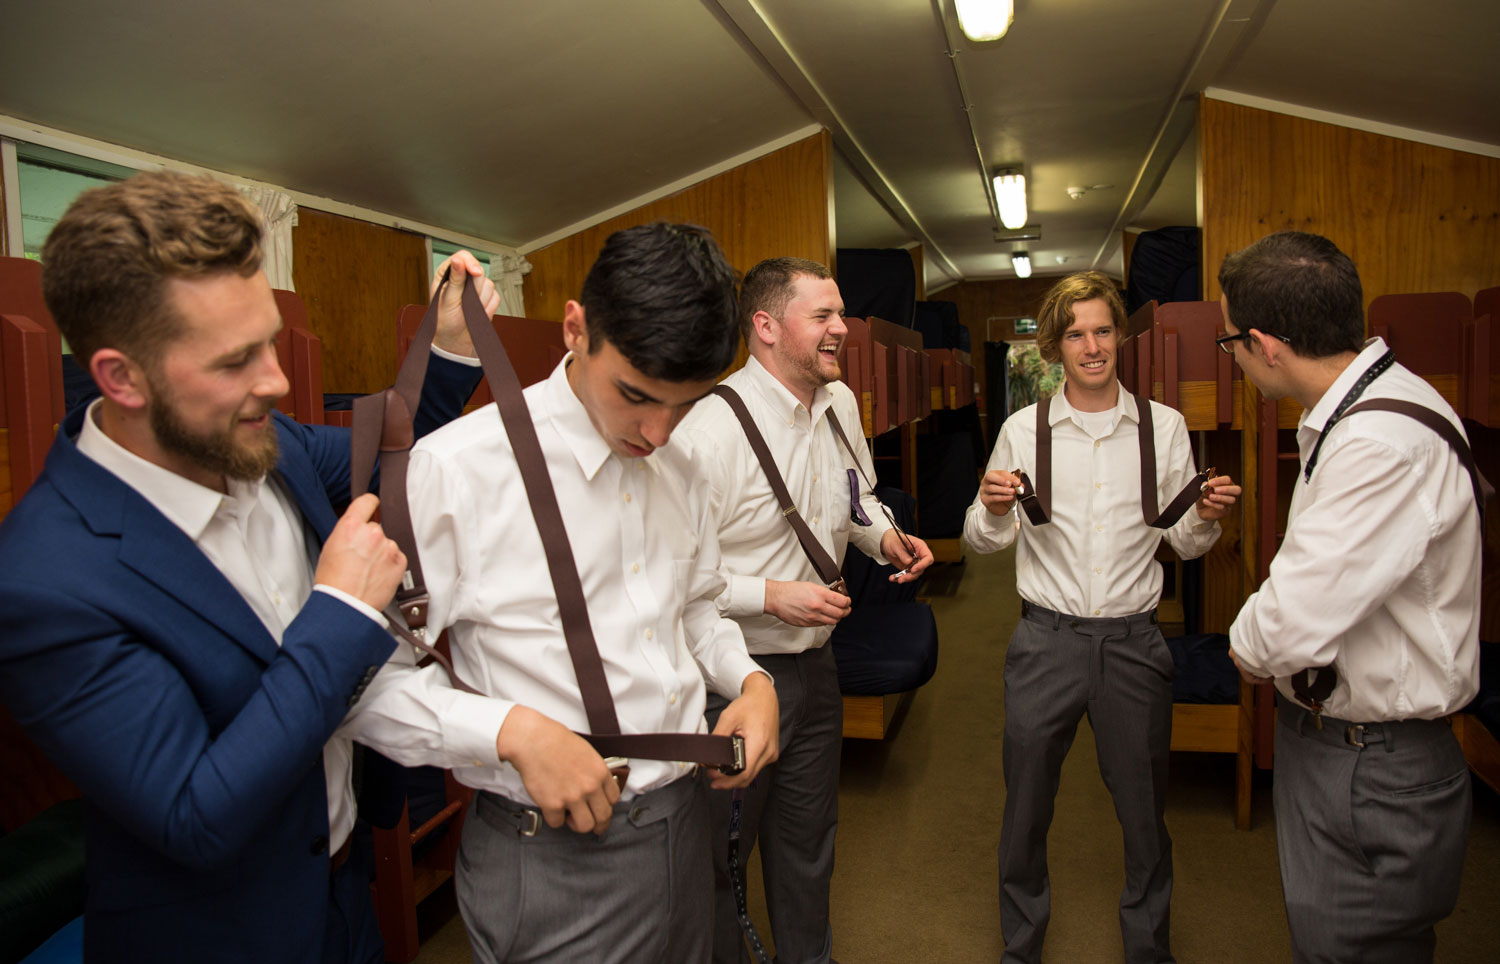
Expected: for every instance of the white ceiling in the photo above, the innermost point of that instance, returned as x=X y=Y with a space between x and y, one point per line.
x=512 y=121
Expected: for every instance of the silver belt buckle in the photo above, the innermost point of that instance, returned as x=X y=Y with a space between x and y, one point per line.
x=531 y=822
x=1354 y=735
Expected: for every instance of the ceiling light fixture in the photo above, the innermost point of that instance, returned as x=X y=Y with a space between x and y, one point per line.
x=1010 y=197
x=982 y=20
x=1021 y=262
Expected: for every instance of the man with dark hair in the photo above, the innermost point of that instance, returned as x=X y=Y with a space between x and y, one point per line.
x=557 y=862
x=1088 y=641
x=792 y=317
x=186 y=619
x=1369 y=619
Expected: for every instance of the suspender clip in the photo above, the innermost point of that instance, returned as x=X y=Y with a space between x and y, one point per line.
x=738 y=766
x=785 y=513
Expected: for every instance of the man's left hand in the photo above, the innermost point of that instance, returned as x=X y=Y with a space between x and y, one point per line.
x=1249 y=677
x=1219 y=494
x=452 y=331
x=756 y=717
x=893 y=549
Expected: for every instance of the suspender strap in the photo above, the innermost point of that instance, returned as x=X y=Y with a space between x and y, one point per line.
x=396 y=405
x=1184 y=500
x=822 y=562
x=1483 y=491
x=1036 y=499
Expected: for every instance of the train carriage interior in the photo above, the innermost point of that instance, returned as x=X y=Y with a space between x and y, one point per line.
x=948 y=183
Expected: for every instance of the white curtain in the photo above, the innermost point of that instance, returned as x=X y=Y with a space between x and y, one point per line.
x=506 y=271
x=280 y=214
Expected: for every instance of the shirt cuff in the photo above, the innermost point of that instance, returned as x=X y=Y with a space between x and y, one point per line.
x=470 y=360
x=744 y=596
x=733 y=672
x=471 y=726
x=359 y=604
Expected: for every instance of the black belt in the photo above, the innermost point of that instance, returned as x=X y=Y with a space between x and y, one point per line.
x=1089 y=625
x=1358 y=736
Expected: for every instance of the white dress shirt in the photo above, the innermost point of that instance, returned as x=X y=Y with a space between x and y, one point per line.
x=254 y=536
x=1379 y=572
x=755 y=539
x=646 y=557
x=1096 y=557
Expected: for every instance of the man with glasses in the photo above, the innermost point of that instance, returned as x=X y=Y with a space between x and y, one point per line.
x=1369 y=618
x=1088 y=641
x=791 y=315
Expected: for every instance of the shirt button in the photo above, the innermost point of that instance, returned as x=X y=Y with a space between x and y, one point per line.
x=1099 y=569
x=1096 y=443
x=1096 y=612
x=1099 y=528
x=815 y=520
x=1098 y=485
x=627 y=496
x=635 y=567
x=673 y=698
x=649 y=634
x=477 y=763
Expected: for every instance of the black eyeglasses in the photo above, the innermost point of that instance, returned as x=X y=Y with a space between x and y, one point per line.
x=1226 y=343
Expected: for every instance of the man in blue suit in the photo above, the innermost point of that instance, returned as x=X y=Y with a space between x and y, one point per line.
x=184 y=616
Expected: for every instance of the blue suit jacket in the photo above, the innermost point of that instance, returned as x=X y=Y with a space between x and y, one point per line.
x=197 y=741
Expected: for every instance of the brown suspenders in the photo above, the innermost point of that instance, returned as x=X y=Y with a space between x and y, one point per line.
x=384 y=419
x=823 y=564
x=1036 y=499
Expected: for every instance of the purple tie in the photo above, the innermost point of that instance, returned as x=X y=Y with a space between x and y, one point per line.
x=856 y=511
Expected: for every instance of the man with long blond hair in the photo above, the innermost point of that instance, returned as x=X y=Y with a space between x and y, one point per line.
x=1088 y=641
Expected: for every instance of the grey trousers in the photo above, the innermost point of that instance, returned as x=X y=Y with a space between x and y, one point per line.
x=642 y=892
x=1371 y=840
x=1118 y=672
x=792 y=809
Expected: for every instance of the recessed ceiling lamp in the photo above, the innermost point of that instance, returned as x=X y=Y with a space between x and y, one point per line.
x=1021 y=262
x=1010 y=198
x=982 y=20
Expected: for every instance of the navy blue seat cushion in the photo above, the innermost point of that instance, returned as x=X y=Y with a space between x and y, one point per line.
x=888 y=642
x=885 y=648
x=1203 y=671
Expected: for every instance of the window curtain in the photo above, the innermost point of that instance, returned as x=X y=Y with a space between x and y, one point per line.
x=506 y=271
x=280 y=214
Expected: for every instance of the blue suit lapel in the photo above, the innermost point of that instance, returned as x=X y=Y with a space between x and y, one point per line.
x=151 y=546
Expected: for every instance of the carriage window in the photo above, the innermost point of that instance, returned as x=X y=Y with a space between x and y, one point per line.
x=441 y=250
x=49 y=180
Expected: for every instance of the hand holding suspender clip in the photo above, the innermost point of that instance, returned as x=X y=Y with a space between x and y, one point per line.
x=1207 y=488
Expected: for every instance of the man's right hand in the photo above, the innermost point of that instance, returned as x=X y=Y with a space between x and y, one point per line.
x=997 y=491
x=562 y=773
x=358 y=559
x=805 y=603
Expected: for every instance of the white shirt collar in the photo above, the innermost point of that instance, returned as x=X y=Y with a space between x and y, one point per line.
x=572 y=421
x=185 y=503
x=1125 y=407
x=779 y=397
x=1317 y=417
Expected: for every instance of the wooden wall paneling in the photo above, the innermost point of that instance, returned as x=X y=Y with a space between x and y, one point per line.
x=1413 y=217
x=353 y=278
x=774 y=206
